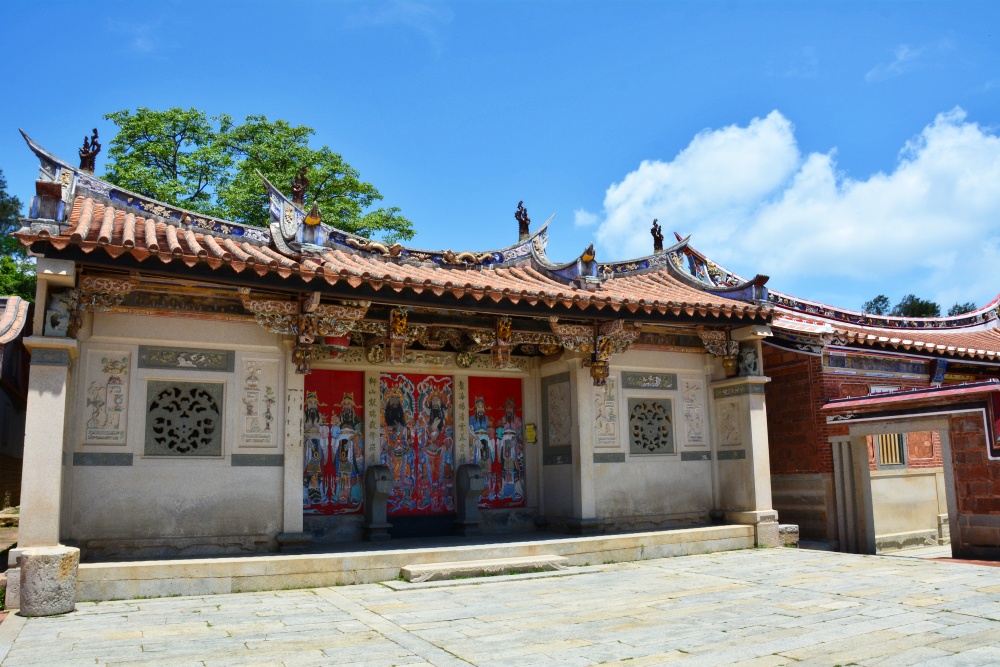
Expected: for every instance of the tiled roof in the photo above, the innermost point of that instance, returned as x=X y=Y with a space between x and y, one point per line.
x=972 y=343
x=94 y=225
x=12 y=318
x=922 y=395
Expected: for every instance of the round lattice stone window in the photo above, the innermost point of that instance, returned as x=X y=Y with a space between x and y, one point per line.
x=649 y=425
x=183 y=418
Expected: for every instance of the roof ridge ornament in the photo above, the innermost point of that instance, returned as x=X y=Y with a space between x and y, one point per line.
x=300 y=184
x=523 y=221
x=657 y=232
x=88 y=154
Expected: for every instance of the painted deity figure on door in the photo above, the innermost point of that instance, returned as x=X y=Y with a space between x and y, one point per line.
x=333 y=429
x=496 y=433
x=417 y=442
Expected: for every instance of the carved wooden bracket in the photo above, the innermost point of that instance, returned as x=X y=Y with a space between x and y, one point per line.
x=610 y=338
x=98 y=294
x=717 y=342
x=307 y=320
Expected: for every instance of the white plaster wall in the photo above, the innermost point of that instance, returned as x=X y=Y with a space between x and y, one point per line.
x=656 y=487
x=162 y=500
x=646 y=487
x=905 y=501
x=174 y=499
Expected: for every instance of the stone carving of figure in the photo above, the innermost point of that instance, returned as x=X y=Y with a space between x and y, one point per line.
x=749 y=364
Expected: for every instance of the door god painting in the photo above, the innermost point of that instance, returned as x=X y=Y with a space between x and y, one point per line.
x=496 y=434
x=333 y=425
x=417 y=442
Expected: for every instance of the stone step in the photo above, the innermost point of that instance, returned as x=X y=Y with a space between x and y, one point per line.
x=482 y=568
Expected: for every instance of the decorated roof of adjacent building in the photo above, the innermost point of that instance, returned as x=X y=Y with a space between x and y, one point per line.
x=813 y=326
x=82 y=216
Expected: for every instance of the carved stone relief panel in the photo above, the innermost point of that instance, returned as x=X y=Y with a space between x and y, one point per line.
x=183 y=418
x=730 y=431
x=692 y=397
x=258 y=402
x=180 y=358
x=106 y=408
x=651 y=426
x=606 y=414
x=557 y=420
x=559 y=414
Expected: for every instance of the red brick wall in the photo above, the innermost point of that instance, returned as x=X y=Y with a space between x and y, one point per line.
x=798 y=435
x=977 y=479
x=793 y=426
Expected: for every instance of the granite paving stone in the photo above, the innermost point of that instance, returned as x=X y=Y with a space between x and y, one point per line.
x=756 y=608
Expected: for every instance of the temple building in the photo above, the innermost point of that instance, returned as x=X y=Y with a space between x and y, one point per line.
x=201 y=387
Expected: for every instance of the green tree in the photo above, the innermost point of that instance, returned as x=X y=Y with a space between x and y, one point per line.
x=877 y=306
x=209 y=165
x=17 y=270
x=962 y=308
x=913 y=306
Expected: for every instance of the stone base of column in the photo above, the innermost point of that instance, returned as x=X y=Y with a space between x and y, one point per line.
x=293 y=542
x=584 y=526
x=377 y=532
x=48 y=580
x=765 y=523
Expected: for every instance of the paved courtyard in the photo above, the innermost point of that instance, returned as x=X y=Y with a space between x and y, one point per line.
x=755 y=607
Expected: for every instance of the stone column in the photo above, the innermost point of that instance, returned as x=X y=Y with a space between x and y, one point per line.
x=584 y=518
x=742 y=452
x=292 y=535
x=45 y=421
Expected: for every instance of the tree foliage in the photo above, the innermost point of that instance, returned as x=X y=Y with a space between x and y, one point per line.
x=208 y=165
x=909 y=306
x=962 y=308
x=17 y=271
x=913 y=306
x=877 y=306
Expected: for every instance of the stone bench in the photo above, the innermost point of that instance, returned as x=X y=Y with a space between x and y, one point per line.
x=482 y=568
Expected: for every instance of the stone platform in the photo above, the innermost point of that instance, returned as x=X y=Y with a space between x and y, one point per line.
x=368 y=563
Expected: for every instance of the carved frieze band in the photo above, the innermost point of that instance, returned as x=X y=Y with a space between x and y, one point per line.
x=101 y=294
x=738 y=390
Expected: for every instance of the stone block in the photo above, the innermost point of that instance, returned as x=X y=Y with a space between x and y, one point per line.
x=378 y=487
x=788 y=534
x=767 y=534
x=469 y=485
x=48 y=580
x=12 y=599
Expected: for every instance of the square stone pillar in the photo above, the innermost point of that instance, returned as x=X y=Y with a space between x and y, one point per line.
x=294 y=452
x=744 y=463
x=45 y=422
x=584 y=517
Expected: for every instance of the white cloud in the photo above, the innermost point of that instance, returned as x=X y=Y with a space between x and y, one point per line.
x=929 y=227
x=903 y=59
x=140 y=37
x=584 y=218
x=427 y=19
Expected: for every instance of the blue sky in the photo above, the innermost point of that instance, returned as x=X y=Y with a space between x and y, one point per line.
x=845 y=149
